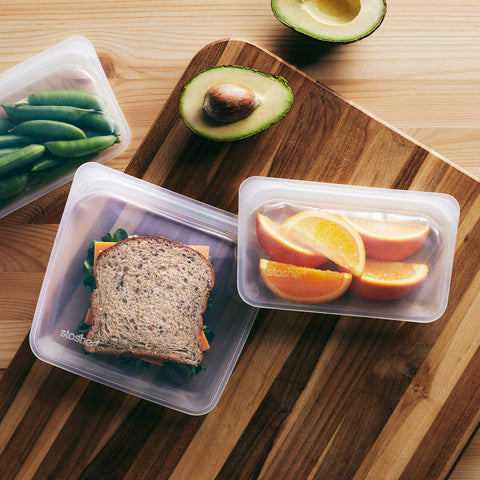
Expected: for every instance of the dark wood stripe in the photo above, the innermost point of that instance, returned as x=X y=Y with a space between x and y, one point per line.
x=145 y=426
x=90 y=420
x=13 y=378
x=126 y=443
x=410 y=169
x=31 y=426
x=465 y=265
x=257 y=440
x=451 y=429
x=357 y=399
x=166 y=445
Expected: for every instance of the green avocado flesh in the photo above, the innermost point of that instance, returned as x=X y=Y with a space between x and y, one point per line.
x=331 y=20
x=275 y=95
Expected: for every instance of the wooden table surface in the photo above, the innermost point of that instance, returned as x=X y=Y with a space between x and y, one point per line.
x=419 y=72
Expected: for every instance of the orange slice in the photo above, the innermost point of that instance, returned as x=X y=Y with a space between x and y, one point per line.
x=281 y=248
x=302 y=284
x=388 y=280
x=331 y=236
x=390 y=240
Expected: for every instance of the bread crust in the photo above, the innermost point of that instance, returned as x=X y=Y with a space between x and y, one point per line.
x=96 y=304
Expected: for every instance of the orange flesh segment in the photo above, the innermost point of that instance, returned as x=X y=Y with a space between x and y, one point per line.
x=332 y=236
x=281 y=247
x=303 y=284
x=276 y=229
x=391 y=240
x=390 y=229
x=395 y=273
x=383 y=280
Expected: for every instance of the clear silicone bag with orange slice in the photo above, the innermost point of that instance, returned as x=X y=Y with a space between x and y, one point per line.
x=345 y=250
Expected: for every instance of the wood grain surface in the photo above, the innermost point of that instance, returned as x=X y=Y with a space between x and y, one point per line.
x=419 y=72
x=313 y=395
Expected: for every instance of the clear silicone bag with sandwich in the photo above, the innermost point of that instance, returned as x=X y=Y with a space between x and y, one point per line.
x=140 y=292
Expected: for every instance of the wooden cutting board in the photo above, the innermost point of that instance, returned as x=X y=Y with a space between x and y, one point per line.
x=313 y=396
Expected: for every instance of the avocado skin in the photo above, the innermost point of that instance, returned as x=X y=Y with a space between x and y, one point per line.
x=322 y=37
x=201 y=124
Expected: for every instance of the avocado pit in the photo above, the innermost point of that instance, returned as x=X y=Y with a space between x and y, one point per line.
x=228 y=102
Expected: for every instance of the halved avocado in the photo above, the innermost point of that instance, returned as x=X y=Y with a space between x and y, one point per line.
x=331 y=20
x=210 y=107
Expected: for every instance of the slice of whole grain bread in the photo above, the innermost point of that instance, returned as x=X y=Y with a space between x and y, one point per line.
x=150 y=296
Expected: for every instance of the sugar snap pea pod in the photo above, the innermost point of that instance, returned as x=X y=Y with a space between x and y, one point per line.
x=46 y=163
x=48 y=130
x=101 y=122
x=12 y=184
x=70 y=98
x=6 y=151
x=11 y=140
x=24 y=112
x=5 y=125
x=95 y=133
x=66 y=166
x=22 y=158
x=91 y=133
x=78 y=148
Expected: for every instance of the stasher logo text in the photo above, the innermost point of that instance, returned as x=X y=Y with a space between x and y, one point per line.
x=77 y=338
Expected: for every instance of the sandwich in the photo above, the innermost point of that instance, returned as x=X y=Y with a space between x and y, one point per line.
x=149 y=299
